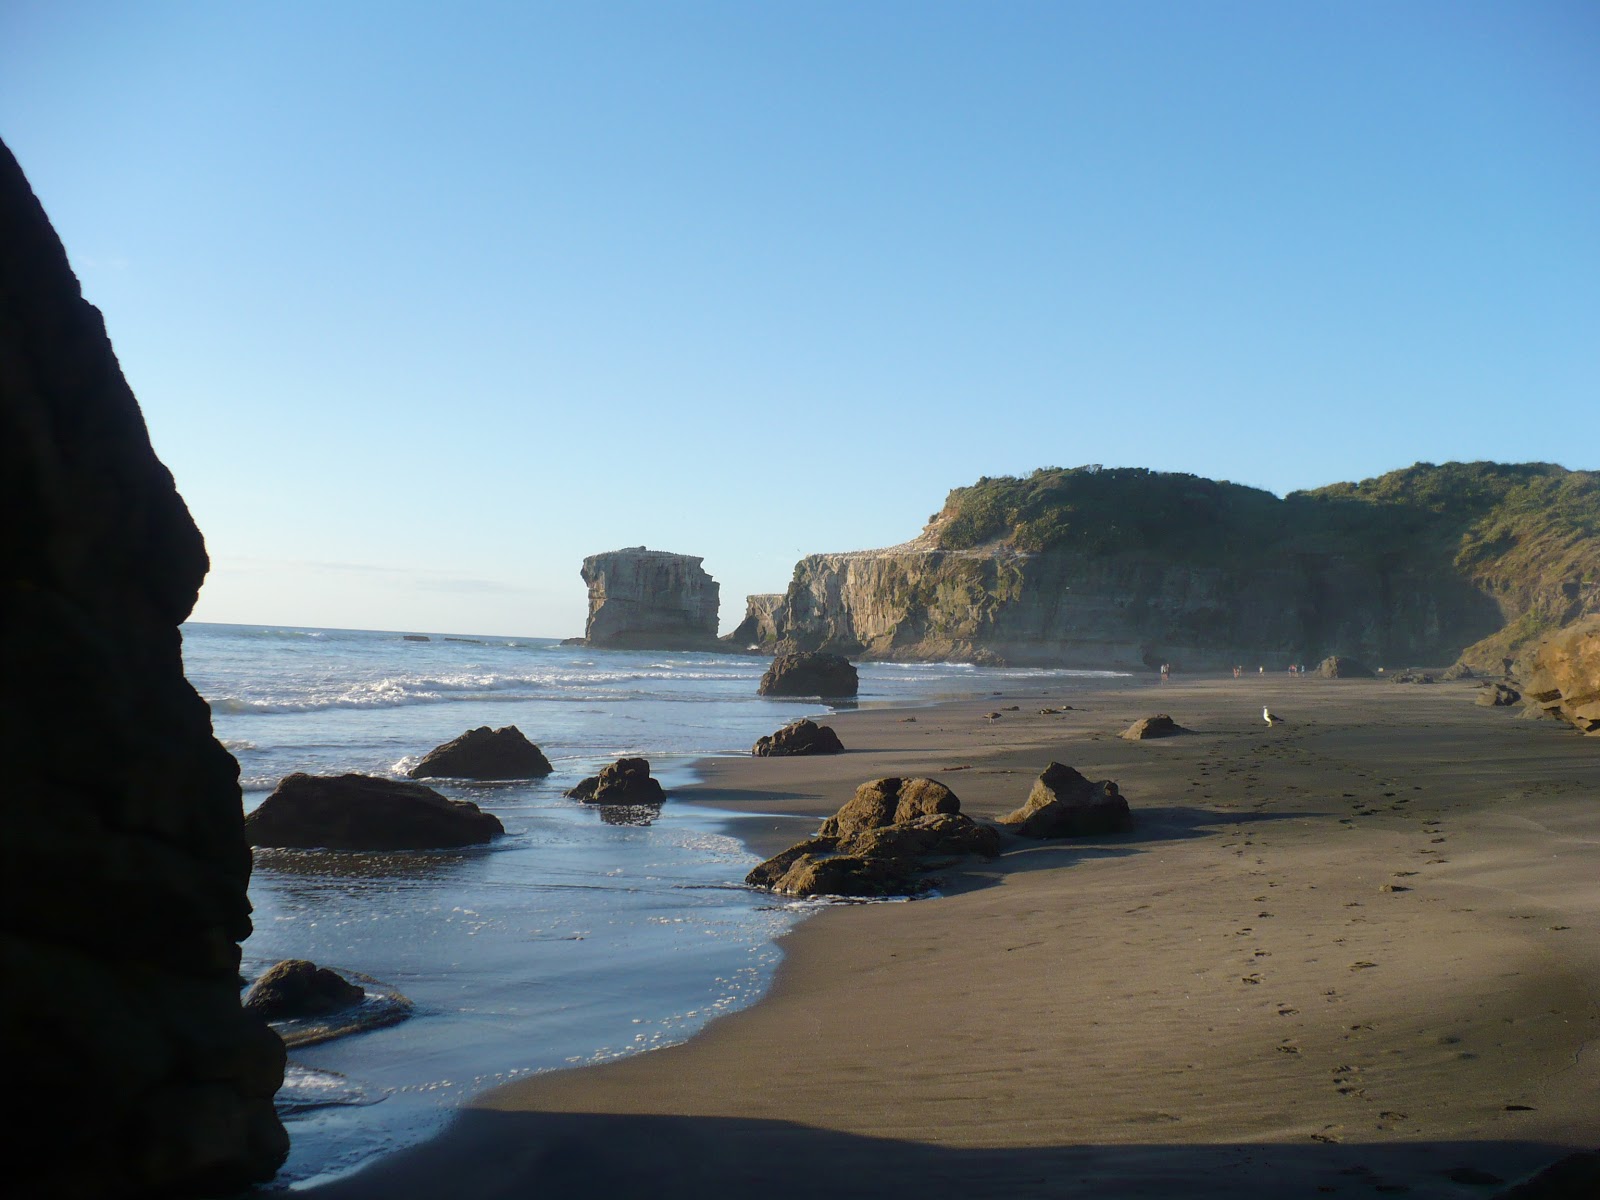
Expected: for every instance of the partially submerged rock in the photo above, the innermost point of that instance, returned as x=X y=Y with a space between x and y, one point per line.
x=296 y=987
x=1561 y=675
x=484 y=753
x=804 y=736
x=1158 y=726
x=810 y=673
x=879 y=843
x=1337 y=666
x=361 y=812
x=1064 y=803
x=626 y=781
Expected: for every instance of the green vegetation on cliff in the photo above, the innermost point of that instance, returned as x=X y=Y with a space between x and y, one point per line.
x=1527 y=535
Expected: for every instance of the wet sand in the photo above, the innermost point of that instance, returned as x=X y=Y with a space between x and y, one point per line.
x=1354 y=954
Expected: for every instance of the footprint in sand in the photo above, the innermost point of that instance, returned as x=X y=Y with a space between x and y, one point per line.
x=1362 y=966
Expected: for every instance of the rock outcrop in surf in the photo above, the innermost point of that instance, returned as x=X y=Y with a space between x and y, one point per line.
x=650 y=600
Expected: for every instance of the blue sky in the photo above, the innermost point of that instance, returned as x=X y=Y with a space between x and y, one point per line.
x=424 y=303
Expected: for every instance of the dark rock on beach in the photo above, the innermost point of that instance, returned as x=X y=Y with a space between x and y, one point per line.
x=626 y=781
x=799 y=737
x=1457 y=671
x=1499 y=695
x=879 y=843
x=810 y=673
x=1064 y=803
x=135 y=1068
x=361 y=812
x=1336 y=666
x=484 y=753
x=298 y=988
x=1411 y=676
x=1158 y=726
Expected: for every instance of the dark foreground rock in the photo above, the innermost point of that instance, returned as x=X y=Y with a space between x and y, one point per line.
x=135 y=1068
x=799 y=737
x=879 y=843
x=1336 y=666
x=1158 y=726
x=296 y=987
x=1561 y=675
x=361 y=812
x=810 y=673
x=484 y=753
x=1064 y=803
x=626 y=781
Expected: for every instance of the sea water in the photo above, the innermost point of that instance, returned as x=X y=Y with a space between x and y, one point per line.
x=583 y=934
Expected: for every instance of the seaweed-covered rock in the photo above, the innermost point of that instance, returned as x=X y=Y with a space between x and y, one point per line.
x=810 y=673
x=298 y=988
x=804 y=736
x=1336 y=666
x=362 y=812
x=484 y=753
x=1064 y=803
x=626 y=781
x=1158 y=726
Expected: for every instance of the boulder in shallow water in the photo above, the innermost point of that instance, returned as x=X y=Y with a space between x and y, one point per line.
x=810 y=673
x=361 y=812
x=484 y=753
x=799 y=737
x=298 y=988
x=1158 y=726
x=626 y=781
x=1064 y=803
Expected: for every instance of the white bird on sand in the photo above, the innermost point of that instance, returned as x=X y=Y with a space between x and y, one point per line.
x=1270 y=716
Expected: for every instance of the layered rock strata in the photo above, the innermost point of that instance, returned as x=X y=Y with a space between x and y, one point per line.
x=650 y=599
x=124 y=867
x=1561 y=675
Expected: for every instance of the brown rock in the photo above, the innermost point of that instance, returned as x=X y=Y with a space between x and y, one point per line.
x=799 y=737
x=1499 y=695
x=484 y=753
x=626 y=781
x=1158 y=726
x=1336 y=666
x=1561 y=675
x=810 y=673
x=888 y=802
x=1064 y=803
x=125 y=862
x=297 y=988
x=360 y=812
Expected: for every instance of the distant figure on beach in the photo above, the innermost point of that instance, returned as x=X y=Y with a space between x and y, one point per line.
x=1236 y=671
x=1261 y=670
x=1291 y=668
x=1166 y=672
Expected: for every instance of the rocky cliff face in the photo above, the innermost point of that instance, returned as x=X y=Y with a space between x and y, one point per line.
x=650 y=599
x=1125 y=611
x=760 y=628
x=124 y=864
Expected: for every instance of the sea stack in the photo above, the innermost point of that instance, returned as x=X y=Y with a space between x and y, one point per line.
x=643 y=599
x=126 y=867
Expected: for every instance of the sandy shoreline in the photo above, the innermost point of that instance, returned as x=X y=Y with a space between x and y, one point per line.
x=1357 y=953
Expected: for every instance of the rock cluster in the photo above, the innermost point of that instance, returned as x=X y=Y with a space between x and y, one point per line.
x=484 y=753
x=626 y=781
x=809 y=673
x=1064 y=803
x=878 y=843
x=1499 y=695
x=126 y=867
x=804 y=736
x=1561 y=675
x=650 y=599
x=1158 y=726
x=361 y=812
x=1336 y=666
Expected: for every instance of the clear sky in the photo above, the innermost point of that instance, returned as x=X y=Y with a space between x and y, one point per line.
x=425 y=302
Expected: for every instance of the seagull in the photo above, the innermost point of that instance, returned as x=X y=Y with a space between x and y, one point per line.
x=1270 y=716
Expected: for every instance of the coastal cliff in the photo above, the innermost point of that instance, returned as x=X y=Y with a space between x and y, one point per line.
x=125 y=866
x=1128 y=568
x=650 y=599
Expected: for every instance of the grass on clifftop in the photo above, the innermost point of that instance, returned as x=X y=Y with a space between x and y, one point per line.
x=1527 y=534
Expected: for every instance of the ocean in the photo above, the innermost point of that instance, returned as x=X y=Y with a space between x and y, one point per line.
x=577 y=937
